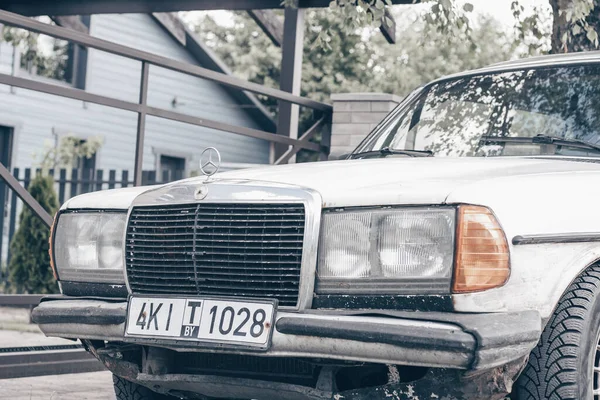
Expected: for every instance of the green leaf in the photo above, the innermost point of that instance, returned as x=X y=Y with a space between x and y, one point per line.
x=592 y=35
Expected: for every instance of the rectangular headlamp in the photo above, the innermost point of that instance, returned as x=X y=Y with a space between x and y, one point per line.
x=88 y=246
x=390 y=250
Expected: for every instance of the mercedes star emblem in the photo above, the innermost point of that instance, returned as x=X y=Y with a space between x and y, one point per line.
x=210 y=161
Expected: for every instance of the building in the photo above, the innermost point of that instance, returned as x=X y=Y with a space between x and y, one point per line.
x=31 y=121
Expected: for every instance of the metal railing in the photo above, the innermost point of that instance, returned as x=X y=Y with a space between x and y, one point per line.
x=143 y=109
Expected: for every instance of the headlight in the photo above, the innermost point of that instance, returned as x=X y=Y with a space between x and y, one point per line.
x=88 y=246
x=393 y=250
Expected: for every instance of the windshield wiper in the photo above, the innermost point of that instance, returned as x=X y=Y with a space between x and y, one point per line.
x=542 y=139
x=386 y=151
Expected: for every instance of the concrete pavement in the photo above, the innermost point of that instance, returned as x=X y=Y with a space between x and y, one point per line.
x=16 y=331
x=89 y=386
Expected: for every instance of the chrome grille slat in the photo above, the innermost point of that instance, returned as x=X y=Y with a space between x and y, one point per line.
x=219 y=234
x=234 y=250
x=226 y=283
x=273 y=254
x=169 y=273
x=234 y=215
x=205 y=263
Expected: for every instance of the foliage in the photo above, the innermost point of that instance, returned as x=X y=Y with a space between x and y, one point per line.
x=69 y=150
x=531 y=28
x=355 y=14
x=427 y=54
x=576 y=23
x=357 y=61
x=29 y=267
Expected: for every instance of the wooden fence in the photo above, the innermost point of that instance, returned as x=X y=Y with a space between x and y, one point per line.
x=69 y=183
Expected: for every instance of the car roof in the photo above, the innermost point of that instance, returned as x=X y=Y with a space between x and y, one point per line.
x=587 y=57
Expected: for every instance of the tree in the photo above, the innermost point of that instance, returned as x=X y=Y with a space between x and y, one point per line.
x=29 y=267
x=356 y=61
x=576 y=23
x=575 y=26
x=427 y=54
x=360 y=60
x=68 y=151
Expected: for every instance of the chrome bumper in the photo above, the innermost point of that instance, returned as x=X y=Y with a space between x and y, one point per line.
x=459 y=341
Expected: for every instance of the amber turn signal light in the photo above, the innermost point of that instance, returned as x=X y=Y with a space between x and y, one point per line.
x=482 y=256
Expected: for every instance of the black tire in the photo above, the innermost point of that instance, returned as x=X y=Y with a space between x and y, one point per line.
x=126 y=390
x=561 y=366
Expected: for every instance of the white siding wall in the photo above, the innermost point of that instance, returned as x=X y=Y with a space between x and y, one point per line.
x=111 y=75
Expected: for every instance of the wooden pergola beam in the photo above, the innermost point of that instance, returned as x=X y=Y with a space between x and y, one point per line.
x=270 y=23
x=291 y=74
x=70 y=21
x=388 y=30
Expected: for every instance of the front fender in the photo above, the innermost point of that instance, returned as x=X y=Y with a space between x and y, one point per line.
x=540 y=274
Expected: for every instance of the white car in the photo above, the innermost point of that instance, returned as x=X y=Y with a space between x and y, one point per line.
x=455 y=254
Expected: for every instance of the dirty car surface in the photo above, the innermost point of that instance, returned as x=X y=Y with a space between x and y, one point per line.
x=453 y=255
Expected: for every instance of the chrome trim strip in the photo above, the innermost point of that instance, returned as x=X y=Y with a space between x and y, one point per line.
x=556 y=238
x=248 y=191
x=384 y=286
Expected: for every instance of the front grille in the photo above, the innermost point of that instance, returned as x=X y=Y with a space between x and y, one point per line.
x=241 y=250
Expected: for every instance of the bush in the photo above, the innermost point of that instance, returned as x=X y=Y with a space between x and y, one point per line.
x=29 y=267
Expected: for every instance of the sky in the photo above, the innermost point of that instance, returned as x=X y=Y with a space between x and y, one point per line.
x=500 y=9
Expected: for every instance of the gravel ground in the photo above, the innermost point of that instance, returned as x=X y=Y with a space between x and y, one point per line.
x=89 y=386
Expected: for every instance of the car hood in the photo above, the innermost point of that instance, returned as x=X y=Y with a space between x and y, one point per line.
x=422 y=180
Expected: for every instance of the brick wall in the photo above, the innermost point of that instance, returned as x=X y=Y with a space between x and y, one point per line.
x=354 y=117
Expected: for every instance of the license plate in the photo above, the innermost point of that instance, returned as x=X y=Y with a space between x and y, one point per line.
x=200 y=319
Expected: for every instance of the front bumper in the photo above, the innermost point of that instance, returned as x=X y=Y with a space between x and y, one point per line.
x=425 y=339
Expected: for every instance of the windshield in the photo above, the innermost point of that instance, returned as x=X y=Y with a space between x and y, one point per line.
x=461 y=117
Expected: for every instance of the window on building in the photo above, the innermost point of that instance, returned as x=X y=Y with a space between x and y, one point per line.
x=171 y=168
x=48 y=57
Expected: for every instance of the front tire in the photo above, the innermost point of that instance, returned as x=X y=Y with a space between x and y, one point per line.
x=126 y=390
x=564 y=365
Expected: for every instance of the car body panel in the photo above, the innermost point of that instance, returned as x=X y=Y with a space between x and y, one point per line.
x=529 y=196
